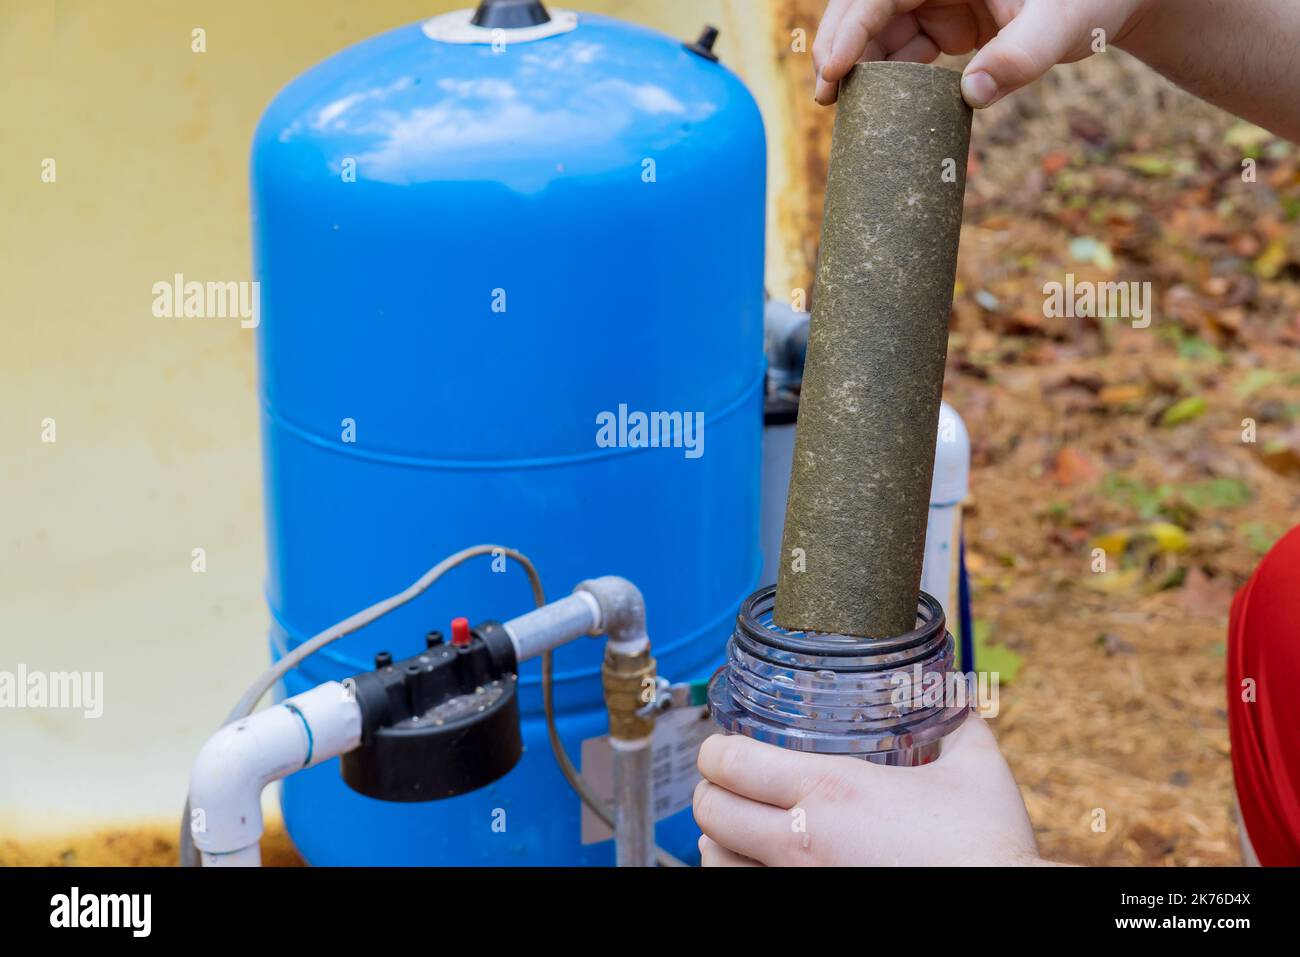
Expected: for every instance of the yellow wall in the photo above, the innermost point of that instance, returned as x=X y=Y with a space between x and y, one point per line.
x=156 y=449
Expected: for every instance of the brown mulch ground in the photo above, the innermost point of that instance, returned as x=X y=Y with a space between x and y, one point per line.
x=1090 y=433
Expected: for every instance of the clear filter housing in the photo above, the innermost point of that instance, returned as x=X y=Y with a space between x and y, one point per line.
x=887 y=700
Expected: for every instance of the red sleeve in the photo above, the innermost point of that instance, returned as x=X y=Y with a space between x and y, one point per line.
x=1263 y=683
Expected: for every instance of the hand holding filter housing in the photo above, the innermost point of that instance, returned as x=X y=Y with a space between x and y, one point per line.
x=843 y=655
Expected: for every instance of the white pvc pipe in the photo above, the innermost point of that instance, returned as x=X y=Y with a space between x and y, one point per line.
x=250 y=856
x=550 y=626
x=778 y=460
x=241 y=759
x=948 y=491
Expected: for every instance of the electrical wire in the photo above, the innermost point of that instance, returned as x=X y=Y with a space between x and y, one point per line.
x=189 y=856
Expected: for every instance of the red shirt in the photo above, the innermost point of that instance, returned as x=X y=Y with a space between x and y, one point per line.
x=1263 y=677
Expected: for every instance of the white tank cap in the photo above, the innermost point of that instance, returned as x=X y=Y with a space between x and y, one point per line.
x=455 y=27
x=951 y=481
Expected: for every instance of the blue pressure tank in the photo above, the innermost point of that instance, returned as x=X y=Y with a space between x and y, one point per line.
x=477 y=242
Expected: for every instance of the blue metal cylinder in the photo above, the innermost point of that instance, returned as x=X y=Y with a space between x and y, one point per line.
x=469 y=252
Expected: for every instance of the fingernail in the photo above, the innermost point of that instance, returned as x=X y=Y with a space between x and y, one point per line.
x=979 y=89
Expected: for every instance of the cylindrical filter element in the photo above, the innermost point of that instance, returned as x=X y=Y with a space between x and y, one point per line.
x=859 y=491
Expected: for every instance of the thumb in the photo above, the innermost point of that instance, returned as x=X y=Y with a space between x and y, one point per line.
x=1038 y=38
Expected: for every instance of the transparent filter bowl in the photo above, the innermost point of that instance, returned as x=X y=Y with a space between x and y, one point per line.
x=886 y=700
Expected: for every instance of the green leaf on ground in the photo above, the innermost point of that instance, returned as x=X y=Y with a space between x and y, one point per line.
x=1257 y=379
x=994 y=657
x=1259 y=536
x=1217 y=493
x=1184 y=410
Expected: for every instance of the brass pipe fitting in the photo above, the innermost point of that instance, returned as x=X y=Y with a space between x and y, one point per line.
x=630 y=685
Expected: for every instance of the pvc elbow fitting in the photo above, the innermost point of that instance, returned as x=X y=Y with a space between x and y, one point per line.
x=241 y=759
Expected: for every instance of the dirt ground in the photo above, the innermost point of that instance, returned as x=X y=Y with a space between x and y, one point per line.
x=1174 y=448
x=148 y=845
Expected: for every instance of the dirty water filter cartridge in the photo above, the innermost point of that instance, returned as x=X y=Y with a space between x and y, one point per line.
x=845 y=654
x=859 y=490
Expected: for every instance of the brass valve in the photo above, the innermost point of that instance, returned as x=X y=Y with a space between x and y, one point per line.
x=630 y=685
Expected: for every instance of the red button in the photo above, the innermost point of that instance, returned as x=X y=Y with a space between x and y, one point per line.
x=460 y=636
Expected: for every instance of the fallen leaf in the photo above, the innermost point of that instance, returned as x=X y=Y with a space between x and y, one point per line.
x=995 y=658
x=1086 y=249
x=1282 y=454
x=1055 y=161
x=1110 y=583
x=1217 y=493
x=1073 y=468
x=1113 y=543
x=1118 y=396
x=1270 y=262
x=1247 y=138
x=1183 y=411
x=1204 y=597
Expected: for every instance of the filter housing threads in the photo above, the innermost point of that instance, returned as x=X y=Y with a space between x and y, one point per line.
x=886 y=700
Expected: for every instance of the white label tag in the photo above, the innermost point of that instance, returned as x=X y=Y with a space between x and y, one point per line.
x=678 y=734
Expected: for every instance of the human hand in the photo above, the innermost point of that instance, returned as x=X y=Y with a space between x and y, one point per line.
x=1018 y=40
x=761 y=805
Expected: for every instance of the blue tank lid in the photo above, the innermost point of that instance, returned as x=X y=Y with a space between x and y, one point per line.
x=445 y=100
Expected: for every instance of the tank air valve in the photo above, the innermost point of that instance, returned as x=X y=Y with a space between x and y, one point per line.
x=704 y=45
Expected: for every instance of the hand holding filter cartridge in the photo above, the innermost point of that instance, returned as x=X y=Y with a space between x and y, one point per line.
x=859 y=489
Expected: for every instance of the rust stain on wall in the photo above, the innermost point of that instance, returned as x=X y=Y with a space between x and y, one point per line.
x=806 y=144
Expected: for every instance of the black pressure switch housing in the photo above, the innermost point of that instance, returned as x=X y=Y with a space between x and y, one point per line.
x=440 y=723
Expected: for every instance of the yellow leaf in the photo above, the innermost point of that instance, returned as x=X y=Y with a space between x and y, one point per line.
x=1168 y=537
x=1271 y=260
x=1113 y=582
x=1113 y=543
x=1247 y=137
